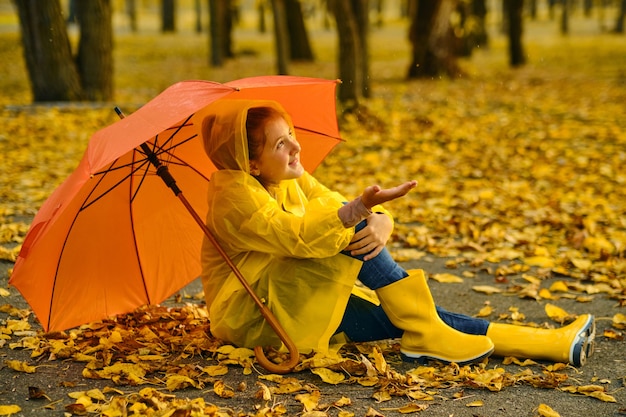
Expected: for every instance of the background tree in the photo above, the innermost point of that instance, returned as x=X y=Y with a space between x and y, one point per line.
x=95 y=50
x=298 y=38
x=479 y=14
x=621 y=16
x=515 y=11
x=281 y=36
x=470 y=28
x=197 y=5
x=260 y=6
x=565 y=9
x=432 y=41
x=220 y=31
x=361 y=12
x=53 y=72
x=168 y=16
x=351 y=22
x=131 y=11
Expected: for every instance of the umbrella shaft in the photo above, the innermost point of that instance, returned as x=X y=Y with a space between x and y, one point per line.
x=161 y=170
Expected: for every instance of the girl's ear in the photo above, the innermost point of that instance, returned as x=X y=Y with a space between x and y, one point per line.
x=254 y=169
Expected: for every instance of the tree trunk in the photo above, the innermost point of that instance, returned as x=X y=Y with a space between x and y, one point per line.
x=432 y=41
x=299 y=45
x=532 y=9
x=281 y=36
x=619 y=23
x=168 y=16
x=260 y=8
x=564 y=17
x=198 y=9
x=95 y=50
x=479 y=10
x=131 y=11
x=361 y=13
x=516 y=50
x=53 y=75
x=349 y=52
x=217 y=32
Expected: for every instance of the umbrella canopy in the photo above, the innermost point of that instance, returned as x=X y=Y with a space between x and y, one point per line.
x=113 y=237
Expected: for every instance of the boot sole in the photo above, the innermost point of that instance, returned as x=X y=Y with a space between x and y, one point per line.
x=583 y=345
x=425 y=359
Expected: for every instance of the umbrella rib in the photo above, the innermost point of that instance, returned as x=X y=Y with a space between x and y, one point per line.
x=176 y=160
x=143 y=177
x=131 y=215
x=304 y=129
x=123 y=179
x=82 y=207
x=136 y=166
x=162 y=148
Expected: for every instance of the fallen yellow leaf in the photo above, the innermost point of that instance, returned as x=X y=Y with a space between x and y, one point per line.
x=447 y=278
x=485 y=311
x=557 y=313
x=328 y=376
x=487 y=289
x=545 y=411
x=20 y=366
x=559 y=286
x=7 y=410
x=619 y=321
x=215 y=370
x=412 y=408
x=540 y=261
x=309 y=400
x=221 y=390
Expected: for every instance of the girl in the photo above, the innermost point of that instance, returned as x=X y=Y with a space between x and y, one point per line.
x=304 y=249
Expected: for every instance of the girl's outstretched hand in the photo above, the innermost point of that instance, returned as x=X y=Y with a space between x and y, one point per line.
x=374 y=195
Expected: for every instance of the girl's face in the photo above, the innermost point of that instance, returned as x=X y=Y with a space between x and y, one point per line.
x=280 y=157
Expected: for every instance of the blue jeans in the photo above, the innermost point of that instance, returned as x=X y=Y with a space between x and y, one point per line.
x=365 y=322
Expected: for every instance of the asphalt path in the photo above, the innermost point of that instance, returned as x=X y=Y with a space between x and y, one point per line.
x=607 y=367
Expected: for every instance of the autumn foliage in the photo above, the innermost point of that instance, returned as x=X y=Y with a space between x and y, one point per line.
x=521 y=173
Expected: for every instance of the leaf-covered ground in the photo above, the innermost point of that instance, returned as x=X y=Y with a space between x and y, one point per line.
x=521 y=173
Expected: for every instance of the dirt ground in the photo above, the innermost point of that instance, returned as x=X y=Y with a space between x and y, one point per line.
x=607 y=367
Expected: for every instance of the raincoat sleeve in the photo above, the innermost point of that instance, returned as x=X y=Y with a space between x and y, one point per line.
x=301 y=221
x=315 y=188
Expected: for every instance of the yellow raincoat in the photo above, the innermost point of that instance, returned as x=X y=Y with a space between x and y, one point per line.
x=285 y=241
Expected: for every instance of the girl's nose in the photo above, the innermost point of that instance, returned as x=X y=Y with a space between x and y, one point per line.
x=295 y=146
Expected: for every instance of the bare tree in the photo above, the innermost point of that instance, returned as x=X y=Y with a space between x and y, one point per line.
x=299 y=45
x=515 y=9
x=565 y=9
x=352 y=51
x=168 y=16
x=220 y=28
x=281 y=36
x=131 y=11
x=432 y=40
x=95 y=50
x=361 y=12
x=621 y=15
x=53 y=72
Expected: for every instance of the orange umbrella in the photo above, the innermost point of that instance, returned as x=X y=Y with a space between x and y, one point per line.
x=112 y=237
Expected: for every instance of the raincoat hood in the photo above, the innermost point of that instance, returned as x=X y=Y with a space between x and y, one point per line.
x=223 y=130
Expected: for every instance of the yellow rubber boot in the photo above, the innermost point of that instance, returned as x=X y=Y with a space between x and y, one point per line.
x=572 y=344
x=410 y=307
